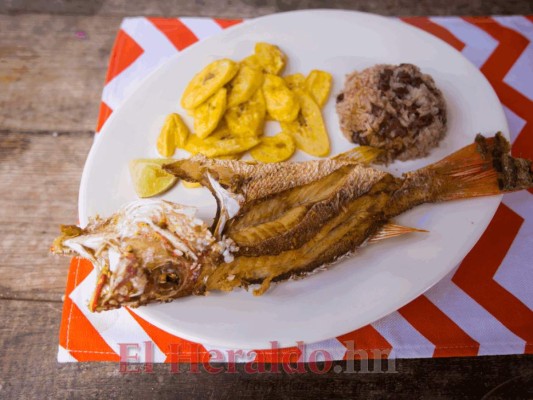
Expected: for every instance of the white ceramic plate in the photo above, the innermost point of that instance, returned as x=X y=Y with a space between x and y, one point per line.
x=362 y=289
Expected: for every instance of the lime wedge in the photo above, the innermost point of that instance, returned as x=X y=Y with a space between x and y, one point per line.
x=149 y=179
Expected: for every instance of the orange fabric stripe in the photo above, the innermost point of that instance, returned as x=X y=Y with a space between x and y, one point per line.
x=475 y=274
x=226 y=23
x=286 y=354
x=163 y=340
x=76 y=334
x=85 y=267
x=85 y=343
x=176 y=31
x=103 y=115
x=72 y=280
x=125 y=52
x=449 y=339
x=367 y=339
x=67 y=303
x=429 y=26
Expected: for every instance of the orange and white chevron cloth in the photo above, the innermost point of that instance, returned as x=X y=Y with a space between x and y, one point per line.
x=484 y=306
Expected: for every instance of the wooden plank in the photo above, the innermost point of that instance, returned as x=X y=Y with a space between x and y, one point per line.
x=252 y=8
x=39 y=180
x=52 y=70
x=29 y=370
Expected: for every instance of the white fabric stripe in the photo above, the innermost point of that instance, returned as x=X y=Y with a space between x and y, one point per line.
x=519 y=76
x=201 y=27
x=516 y=271
x=516 y=124
x=116 y=326
x=157 y=49
x=405 y=340
x=151 y=39
x=479 y=45
x=333 y=347
x=64 y=356
x=124 y=84
x=493 y=337
x=224 y=356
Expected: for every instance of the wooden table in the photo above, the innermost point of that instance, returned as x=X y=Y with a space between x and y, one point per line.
x=53 y=58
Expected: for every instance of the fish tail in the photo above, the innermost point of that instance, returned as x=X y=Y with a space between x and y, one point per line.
x=483 y=168
x=361 y=154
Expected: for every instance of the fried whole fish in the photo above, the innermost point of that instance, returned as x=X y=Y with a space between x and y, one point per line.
x=274 y=221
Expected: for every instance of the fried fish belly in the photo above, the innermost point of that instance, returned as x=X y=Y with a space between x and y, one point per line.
x=274 y=221
x=306 y=220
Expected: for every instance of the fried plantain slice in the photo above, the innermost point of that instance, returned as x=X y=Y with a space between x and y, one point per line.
x=253 y=62
x=308 y=129
x=191 y=185
x=222 y=142
x=173 y=134
x=270 y=57
x=243 y=86
x=295 y=81
x=318 y=85
x=205 y=83
x=274 y=149
x=281 y=103
x=247 y=119
x=208 y=114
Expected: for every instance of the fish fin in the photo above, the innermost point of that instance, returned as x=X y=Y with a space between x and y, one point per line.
x=186 y=170
x=265 y=285
x=196 y=169
x=391 y=230
x=483 y=168
x=361 y=154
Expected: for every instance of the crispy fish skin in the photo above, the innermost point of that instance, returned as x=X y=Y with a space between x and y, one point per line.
x=269 y=226
x=275 y=221
x=256 y=180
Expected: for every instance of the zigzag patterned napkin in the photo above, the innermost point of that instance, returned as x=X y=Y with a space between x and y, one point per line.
x=482 y=307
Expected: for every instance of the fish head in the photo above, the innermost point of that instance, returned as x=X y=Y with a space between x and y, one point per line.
x=150 y=250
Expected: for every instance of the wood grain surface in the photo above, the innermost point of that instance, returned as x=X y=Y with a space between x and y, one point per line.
x=39 y=178
x=52 y=70
x=53 y=59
